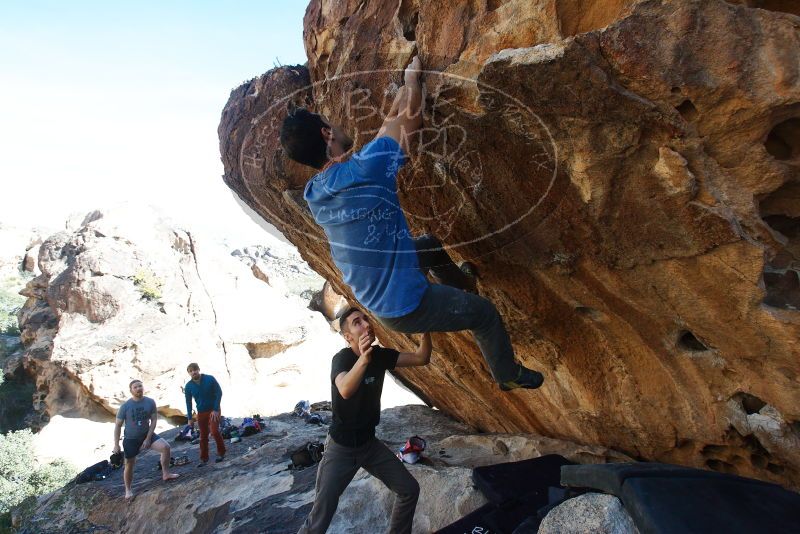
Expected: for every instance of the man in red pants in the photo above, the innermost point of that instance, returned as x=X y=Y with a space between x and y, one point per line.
x=208 y=395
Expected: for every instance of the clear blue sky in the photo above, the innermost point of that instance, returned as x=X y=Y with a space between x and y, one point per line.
x=102 y=101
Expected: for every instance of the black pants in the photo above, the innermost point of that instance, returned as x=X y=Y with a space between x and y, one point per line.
x=446 y=308
x=338 y=467
x=434 y=259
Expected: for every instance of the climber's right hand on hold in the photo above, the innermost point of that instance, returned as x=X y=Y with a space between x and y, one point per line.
x=405 y=116
x=413 y=71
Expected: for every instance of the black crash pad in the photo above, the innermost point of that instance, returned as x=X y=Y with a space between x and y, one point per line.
x=664 y=498
x=516 y=491
x=609 y=478
x=709 y=505
x=471 y=523
x=497 y=519
x=507 y=517
x=526 y=480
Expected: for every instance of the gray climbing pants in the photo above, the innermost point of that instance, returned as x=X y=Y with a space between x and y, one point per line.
x=448 y=309
x=338 y=467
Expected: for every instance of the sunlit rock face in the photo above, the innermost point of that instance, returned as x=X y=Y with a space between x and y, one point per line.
x=129 y=294
x=627 y=180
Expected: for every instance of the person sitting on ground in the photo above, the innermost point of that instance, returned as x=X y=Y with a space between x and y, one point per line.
x=139 y=415
x=357 y=373
x=208 y=395
x=355 y=201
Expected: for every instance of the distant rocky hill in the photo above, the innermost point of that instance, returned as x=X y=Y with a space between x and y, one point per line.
x=127 y=294
x=19 y=249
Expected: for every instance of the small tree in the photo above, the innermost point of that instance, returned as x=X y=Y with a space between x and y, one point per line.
x=10 y=303
x=21 y=476
x=148 y=284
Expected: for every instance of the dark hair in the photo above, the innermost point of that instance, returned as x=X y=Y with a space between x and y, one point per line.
x=133 y=382
x=192 y=366
x=302 y=140
x=343 y=315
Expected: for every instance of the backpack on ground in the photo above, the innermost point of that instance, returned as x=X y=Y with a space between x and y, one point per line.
x=249 y=427
x=98 y=471
x=315 y=419
x=307 y=455
x=226 y=428
x=302 y=408
x=185 y=434
x=412 y=450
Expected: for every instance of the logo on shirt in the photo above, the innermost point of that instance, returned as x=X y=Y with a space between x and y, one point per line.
x=141 y=416
x=369 y=380
x=450 y=163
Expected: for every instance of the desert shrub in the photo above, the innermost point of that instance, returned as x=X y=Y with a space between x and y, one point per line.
x=148 y=284
x=11 y=301
x=21 y=476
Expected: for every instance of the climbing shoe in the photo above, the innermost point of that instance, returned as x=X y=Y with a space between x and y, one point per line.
x=219 y=459
x=470 y=271
x=526 y=379
x=469 y=268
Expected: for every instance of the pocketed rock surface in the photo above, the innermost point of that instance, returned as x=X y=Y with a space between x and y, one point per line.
x=626 y=178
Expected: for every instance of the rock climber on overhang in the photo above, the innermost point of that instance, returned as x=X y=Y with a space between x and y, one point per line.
x=354 y=199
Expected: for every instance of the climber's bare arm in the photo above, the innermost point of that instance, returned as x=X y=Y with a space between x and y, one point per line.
x=421 y=357
x=399 y=99
x=117 y=430
x=405 y=115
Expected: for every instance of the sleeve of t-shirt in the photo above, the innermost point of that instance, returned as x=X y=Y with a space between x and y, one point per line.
x=188 y=394
x=389 y=358
x=153 y=408
x=342 y=363
x=122 y=410
x=379 y=162
x=217 y=394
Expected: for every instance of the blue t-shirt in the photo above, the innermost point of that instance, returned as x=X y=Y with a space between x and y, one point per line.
x=356 y=204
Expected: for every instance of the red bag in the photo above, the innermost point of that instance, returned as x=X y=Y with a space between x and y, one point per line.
x=412 y=450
